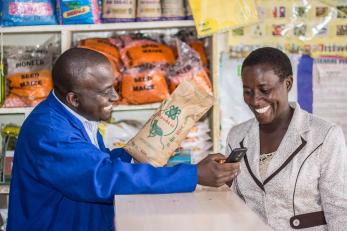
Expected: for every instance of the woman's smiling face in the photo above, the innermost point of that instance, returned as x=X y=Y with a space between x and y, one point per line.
x=264 y=92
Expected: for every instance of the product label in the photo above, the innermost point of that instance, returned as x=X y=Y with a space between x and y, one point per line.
x=119 y=9
x=149 y=8
x=30 y=9
x=76 y=12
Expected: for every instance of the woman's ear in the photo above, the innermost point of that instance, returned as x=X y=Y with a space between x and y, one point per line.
x=289 y=82
x=72 y=99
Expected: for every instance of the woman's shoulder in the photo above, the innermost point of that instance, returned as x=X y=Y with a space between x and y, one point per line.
x=242 y=128
x=318 y=122
x=304 y=119
x=320 y=127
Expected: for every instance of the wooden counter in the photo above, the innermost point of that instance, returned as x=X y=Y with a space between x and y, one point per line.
x=202 y=210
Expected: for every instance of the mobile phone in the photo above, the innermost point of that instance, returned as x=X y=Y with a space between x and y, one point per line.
x=236 y=155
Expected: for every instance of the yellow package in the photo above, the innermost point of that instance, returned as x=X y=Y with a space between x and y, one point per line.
x=163 y=133
x=212 y=16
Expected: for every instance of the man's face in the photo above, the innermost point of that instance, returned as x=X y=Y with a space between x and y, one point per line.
x=264 y=92
x=96 y=94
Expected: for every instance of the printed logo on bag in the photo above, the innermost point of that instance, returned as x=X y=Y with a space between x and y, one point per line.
x=165 y=123
x=76 y=12
x=173 y=112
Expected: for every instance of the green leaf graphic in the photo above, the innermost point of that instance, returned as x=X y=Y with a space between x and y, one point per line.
x=173 y=112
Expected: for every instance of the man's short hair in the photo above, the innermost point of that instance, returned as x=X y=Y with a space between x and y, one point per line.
x=71 y=67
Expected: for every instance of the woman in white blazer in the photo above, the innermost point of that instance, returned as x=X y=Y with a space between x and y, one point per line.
x=294 y=174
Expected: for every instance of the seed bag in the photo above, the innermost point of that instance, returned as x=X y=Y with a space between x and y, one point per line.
x=165 y=130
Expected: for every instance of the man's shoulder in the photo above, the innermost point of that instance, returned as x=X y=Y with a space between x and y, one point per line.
x=43 y=117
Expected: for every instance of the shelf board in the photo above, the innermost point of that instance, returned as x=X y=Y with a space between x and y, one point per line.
x=99 y=27
x=151 y=106
x=16 y=110
x=26 y=110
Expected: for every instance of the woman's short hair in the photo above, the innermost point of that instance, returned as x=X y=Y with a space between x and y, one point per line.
x=273 y=57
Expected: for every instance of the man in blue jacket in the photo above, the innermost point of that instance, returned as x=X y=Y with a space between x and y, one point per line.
x=63 y=176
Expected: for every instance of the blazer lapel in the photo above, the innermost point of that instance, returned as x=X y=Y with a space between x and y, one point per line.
x=291 y=143
x=251 y=142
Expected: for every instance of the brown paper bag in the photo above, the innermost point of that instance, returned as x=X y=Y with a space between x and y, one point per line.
x=169 y=125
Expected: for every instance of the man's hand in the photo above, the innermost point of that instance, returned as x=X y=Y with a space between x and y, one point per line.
x=213 y=172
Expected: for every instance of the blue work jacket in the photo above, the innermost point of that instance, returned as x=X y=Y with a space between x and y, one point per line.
x=61 y=181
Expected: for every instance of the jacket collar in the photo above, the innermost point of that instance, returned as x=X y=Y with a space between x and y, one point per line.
x=73 y=120
x=291 y=143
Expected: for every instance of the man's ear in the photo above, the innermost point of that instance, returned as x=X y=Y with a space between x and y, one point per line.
x=289 y=82
x=72 y=99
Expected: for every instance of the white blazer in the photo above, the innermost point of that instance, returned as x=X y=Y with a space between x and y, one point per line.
x=306 y=180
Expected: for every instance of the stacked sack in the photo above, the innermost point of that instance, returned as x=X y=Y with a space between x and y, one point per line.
x=147 y=71
x=28 y=77
x=144 y=79
x=111 y=51
x=198 y=142
x=116 y=135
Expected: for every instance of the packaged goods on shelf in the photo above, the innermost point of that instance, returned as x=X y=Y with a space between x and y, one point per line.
x=199 y=129
x=149 y=65
x=198 y=142
x=198 y=46
x=148 y=10
x=173 y=9
x=124 y=40
x=28 y=12
x=28 y=76
x=143 y=51
x=117 y=134
x=169 y=125
x=189 y=14
x=9 y=135
x=188 y=66
x=103 y=46
x=8 y=162
x=119 y=11
x=78 y=11
x=145 y=84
